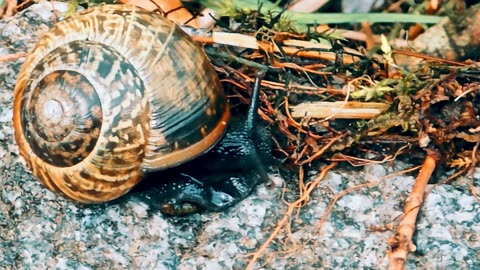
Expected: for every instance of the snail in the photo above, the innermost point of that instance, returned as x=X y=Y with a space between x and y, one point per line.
x=117 y=92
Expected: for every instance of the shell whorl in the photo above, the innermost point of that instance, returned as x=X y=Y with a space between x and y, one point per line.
x=110 y=93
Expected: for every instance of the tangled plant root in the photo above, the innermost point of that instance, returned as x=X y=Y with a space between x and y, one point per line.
x=291 y=207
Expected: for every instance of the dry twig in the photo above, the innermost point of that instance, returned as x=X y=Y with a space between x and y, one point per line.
x=10 y=57
x=401 y=243
x=8 y=8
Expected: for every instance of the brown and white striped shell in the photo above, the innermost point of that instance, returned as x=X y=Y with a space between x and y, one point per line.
x=109 y=94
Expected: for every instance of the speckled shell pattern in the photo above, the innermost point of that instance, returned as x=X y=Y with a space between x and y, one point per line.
x=109 y=94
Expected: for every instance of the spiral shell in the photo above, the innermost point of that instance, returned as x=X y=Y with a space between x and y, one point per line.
x=109 y=94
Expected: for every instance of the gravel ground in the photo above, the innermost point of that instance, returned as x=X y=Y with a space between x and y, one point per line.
x=40 y=230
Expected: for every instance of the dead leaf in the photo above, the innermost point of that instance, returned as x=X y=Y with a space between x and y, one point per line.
x=180 y=16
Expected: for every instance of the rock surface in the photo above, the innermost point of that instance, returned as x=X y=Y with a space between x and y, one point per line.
x=39 y=230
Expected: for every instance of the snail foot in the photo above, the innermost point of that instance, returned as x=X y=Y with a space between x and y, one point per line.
x=185 y=194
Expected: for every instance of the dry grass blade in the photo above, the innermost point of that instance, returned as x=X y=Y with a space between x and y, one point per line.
x=344 y=110
x=307 y=6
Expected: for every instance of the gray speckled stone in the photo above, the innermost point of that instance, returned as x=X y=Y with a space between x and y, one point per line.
x=39 y=230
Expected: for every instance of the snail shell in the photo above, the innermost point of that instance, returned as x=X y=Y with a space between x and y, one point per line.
x=109 y=94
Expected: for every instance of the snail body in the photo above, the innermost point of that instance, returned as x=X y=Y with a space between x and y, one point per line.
x=110 y=94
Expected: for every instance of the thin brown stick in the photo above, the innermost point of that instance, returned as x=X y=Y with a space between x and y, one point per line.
x=401 y=243
x=269 y=47
x=291 y=207
x=11 y=57
x=8 y=8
